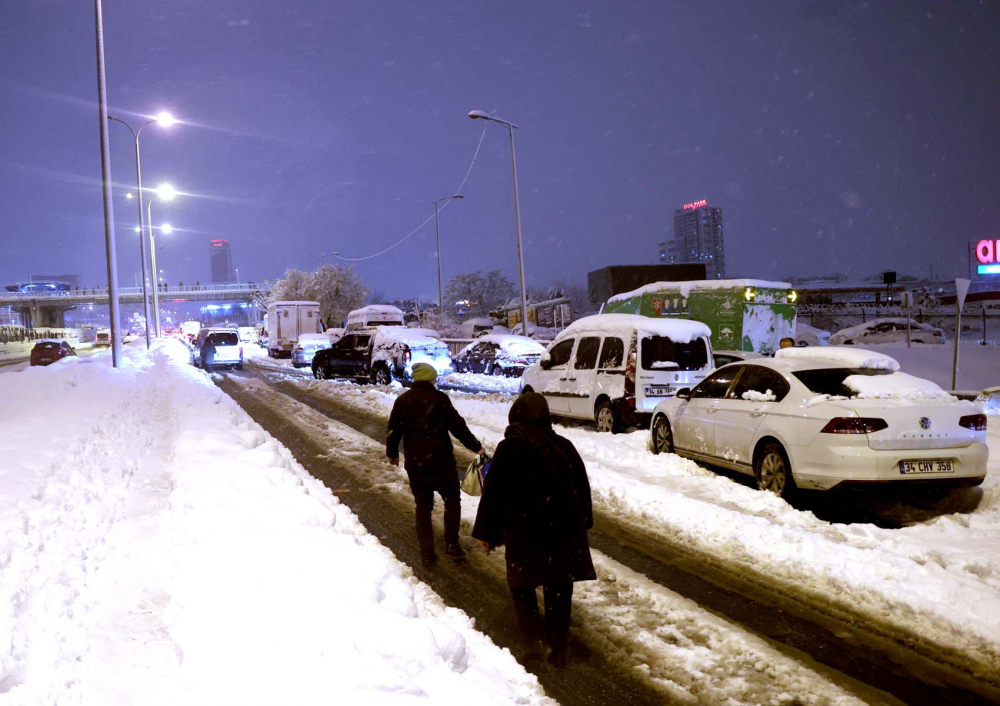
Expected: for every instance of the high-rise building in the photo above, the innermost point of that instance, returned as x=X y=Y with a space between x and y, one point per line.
x=697 y=238
x=221 y=261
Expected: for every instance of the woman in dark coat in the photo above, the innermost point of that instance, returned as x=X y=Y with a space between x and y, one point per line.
x=536 y=501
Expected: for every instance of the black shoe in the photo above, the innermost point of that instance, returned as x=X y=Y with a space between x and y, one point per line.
x=455 y=551
x=428 y=559
x=558 y=658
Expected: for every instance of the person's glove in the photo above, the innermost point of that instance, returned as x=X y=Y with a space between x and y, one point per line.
x=394 y=462
x=482 y=451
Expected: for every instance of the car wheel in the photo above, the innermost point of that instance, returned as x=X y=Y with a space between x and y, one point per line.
x=497 y=371
x=383 y=376
x=607 y=420
x=773 y=471
x=663 y=437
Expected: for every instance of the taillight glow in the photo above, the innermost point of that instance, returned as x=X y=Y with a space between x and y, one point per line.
x=854 y=425
x=975 y=422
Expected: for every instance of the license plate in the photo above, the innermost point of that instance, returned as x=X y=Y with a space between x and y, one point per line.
x=659 y=391
x=911 y=467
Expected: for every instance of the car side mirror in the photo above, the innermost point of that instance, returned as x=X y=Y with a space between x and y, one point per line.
x=546 y=363
x=684 y=393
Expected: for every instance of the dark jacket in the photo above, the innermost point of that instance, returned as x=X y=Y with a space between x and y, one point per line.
x=537 y=501
x=422 y=417
x=208 y=353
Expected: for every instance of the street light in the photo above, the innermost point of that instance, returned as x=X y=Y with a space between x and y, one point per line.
x=480 y=115
x=164 y=192
x=437 y=236
x=164 y=120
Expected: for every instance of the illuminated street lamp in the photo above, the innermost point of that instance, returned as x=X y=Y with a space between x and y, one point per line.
x=437 y=236
x=164 y=120
x=480 y=115
x=165 y=192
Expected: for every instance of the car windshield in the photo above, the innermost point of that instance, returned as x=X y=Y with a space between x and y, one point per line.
x=663 y=353
x=45 y=346
x=224 y=339
x=830 y=381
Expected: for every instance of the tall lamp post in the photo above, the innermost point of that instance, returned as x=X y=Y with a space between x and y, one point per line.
x=164 y=192
x=437 y=236
x=163 y=120
x=480 y=115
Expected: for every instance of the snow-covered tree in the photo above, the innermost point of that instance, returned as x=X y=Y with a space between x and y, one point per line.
x=484 y=291
x=337 y=289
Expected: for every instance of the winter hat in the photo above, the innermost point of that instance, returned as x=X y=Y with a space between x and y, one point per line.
x=530 y=408
x=424 y=372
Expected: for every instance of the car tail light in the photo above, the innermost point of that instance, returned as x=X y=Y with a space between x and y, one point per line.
x=854 y=425
x=938 y=334
x=975 y=422
x=631 y=402
x=407 y=356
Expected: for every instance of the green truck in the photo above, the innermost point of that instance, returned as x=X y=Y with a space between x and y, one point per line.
x=744 y=314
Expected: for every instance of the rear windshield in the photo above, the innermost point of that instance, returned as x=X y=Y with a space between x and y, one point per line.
x=830 y=381
x=372 y=324
x=658 y=352
x=45 y=346
x=224 y=339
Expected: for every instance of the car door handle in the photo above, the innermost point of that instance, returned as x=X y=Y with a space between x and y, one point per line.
x=570 y=379
x=712 y=410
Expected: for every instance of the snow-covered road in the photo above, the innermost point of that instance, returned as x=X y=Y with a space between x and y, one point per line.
x=933 y=585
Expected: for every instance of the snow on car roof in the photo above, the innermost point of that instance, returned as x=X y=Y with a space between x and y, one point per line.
x=699 y=285
x=401 y=334
x=377 y=309
x=510 y=341
x=318 y=337
x=848 y=357
x=854 y=330
x=679 y=330
x=896 y=386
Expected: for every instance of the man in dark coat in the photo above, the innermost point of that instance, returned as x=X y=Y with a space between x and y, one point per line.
x=422 y=417
x=536 y=501
x=208 y=354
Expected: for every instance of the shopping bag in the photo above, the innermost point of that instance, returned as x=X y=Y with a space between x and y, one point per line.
x=472 y=483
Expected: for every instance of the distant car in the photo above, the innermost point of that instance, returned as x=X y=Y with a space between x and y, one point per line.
x=850 y=420
x=47 y=352
x=887 y=331
x=726 y=357
x=307 y=346
x=228 y=348
x=102 y=339
x=498 y=354
x=381 y=354
x=334 y=334
x=806 y=335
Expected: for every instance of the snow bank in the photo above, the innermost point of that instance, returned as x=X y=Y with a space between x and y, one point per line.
x=698 y=286
x=679 y=330
x=895 y=386
x=160 y=548
x=482 y=383
x=848 y=357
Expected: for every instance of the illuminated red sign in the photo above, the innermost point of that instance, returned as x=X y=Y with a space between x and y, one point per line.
x=695 y=204
x=988 y=251
x=219 y=242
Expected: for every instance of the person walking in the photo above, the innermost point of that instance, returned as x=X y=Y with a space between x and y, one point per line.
x=208 y=354
x=422 y=418
x=536 y=501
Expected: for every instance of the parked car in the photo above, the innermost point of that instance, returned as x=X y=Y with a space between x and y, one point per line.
x=806 y=335
x=48 y=351
x=228 y=348
x=381 y=355
x=726 y=357
x=801 y=420
x=615 y=368
x=102 y=339
x=249 y=334
x=497 y=354
x=334 y=334
x=307 y=346
x=887 y=331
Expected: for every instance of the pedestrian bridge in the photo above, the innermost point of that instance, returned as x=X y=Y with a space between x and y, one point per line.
x=46 y=307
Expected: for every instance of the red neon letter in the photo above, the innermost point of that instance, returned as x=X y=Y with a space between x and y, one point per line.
x=984 y=251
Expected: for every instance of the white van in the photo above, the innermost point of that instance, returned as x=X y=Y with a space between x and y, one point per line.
x=228 y=348
x=615 y=368
x=374 y=315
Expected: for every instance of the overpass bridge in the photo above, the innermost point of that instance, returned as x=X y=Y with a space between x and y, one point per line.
x=48 y=307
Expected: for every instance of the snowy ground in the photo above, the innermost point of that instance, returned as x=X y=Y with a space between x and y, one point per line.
x=483 y=383
x=158 y=547
x=681 y=650
x=934 y=583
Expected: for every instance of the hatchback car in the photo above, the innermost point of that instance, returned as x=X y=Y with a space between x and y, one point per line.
x=498 y=354
x=49 y=351
x=801 y=420
x=887 y=331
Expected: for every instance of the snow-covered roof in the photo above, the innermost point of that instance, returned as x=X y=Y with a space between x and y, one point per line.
x=896 y=386
x=679 y=330
x=409 y=336
x=700 y=285
x=510 y=341
x=848 y=357
x=292 y=302
x=478 y=321
x=377 y=309
x=314 y=338
x=52 y=340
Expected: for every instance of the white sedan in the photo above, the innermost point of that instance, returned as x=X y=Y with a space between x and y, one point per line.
x=819 y=418
x=887 y=331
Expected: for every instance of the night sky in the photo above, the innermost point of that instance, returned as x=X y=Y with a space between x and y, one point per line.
x=836 y=136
